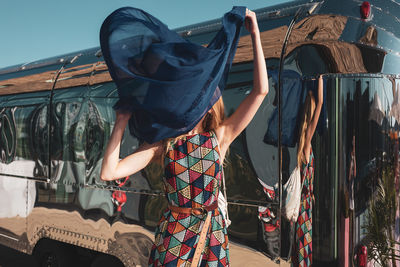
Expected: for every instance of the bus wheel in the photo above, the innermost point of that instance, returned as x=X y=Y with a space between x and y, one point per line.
x=50 y=253
x=103 y=260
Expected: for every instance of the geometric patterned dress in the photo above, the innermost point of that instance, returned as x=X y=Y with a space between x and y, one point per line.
x=303 y=227
x=192 y=179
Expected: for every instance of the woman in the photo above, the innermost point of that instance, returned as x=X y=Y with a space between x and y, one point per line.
x=192 y=173
x=305 y=159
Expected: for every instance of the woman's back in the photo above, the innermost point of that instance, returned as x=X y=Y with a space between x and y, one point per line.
x=192 y=171
x=192 y=179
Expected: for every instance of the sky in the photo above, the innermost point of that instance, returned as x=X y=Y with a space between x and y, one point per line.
x=32 y=30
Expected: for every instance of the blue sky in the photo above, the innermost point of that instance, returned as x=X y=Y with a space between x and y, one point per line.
x=32 y=30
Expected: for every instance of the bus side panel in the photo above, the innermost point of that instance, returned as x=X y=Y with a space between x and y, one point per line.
x=24 y=157
x=75 y=206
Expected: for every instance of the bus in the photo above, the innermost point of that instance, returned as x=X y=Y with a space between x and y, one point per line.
x=56 y=117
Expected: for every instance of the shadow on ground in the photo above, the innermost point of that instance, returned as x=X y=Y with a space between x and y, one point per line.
x=13 y=258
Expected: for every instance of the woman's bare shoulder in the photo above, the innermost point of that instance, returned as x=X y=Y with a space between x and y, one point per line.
x=219 y=132
x=156 y=147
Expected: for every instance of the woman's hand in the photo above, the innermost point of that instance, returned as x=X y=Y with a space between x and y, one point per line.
x=250 y=22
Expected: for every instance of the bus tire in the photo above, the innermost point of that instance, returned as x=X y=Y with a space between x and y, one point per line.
x=50 y=253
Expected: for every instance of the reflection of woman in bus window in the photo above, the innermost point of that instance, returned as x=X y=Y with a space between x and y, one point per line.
x=305 y=158
x=192 y=171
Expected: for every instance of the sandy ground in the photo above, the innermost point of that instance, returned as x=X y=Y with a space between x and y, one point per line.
x=12 y=258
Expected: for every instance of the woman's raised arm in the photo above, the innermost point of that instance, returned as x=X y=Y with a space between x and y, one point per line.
x=239 y=120
x=314 y=121
x=112 y=168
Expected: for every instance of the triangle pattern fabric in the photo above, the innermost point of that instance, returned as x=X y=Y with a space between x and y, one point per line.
x=192 y=161
x=199 y=198
x=197 y=191
x=184 y=250
x=175 y=250
x=205 y=151
x=192 y=176
x=206 y=164
x=180 y=185
x=180 y=236
x=195 y=140
x=211 y=256
x=179 y=168
x=183 y=162
x=184 y=176
x=179 y=155
x=196 y=153
x=303 y=225
x=209 y=156
x=185 y=222
x=198 y=167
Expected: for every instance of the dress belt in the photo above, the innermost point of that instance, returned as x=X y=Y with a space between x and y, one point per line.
x=203 y=210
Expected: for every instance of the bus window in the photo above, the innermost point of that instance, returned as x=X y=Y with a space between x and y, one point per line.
x=25 y=135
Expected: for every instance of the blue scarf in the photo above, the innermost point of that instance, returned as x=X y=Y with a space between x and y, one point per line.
x=167 y=82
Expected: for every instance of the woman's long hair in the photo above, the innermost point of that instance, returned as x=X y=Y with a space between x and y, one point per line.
x=308 y=113
x=211 y=120
x=215 y=116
